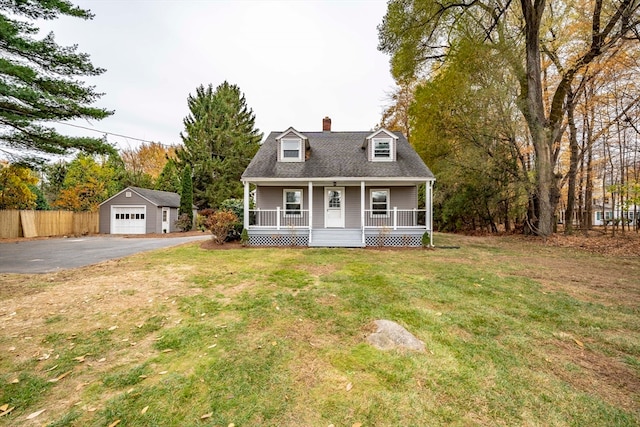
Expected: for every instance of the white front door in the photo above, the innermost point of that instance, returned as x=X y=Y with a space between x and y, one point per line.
x=165 y=220
x=334 y=207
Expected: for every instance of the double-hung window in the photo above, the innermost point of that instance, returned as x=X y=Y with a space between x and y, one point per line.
x=293 y=202
x=291 y=150
x=379 y=202
x=382 y=148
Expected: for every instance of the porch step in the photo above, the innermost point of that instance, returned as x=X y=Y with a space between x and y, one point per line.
x=336 y=238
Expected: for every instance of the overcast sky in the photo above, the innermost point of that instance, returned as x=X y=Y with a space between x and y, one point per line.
x=295 y=61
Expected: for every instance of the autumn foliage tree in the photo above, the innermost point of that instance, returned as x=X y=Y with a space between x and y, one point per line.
x=545 y=46
x=86 y=184
x=144 y=164
x=16 y=183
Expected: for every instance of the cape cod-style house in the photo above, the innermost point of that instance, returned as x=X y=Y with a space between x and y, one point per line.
x=337 y=189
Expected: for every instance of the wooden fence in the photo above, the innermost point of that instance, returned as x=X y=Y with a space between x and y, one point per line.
x=14 y=223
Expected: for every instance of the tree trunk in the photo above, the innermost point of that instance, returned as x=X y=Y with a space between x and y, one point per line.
x=534 y=112
x=573 y=165
x=588 y=191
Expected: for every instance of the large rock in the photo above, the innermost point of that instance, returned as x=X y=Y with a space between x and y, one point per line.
x=391 y=335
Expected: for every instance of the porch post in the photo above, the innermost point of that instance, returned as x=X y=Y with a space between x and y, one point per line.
x=429 y=207
x=395 y=217
x=245 y=218
x=310 y=209
x=362 y=211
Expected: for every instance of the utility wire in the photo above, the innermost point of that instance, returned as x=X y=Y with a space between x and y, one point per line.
x=87 y=128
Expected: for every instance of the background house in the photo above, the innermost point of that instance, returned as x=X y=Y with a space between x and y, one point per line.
x=139 y=211
x=327 y=188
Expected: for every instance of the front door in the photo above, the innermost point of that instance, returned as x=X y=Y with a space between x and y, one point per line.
x=334 y=207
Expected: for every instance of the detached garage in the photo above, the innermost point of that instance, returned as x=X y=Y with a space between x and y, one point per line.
x=137 y=210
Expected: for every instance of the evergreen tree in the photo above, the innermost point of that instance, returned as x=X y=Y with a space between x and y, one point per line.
x=169 y=178
x=39 y=83
x=41 y=201
x=186 y=196
x=53 y=181
x=220 y=139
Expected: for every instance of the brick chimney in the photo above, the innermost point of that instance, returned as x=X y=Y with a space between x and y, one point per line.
x=326 y=124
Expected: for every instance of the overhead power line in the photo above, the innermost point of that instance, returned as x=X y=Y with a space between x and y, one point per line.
x=90 y=129
x=112 y=133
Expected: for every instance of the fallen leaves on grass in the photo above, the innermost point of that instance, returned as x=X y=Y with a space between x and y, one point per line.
x=4 y=409
x=627 y=244
x=81 y=358
x=58 y=378
x=144 y=410
x=35 y=414
x=115 y=423
x=205 y=416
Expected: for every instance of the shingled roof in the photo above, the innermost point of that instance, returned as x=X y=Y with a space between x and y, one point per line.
x=336 y=154
x=159 y=198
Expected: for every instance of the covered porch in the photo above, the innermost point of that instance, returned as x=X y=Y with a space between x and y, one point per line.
x=338 y=213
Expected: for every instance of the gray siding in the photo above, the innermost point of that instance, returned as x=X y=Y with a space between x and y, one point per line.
x=405 y=197
x=352 y=207
x=318 y=207
x=104 y=222
x=173 y=215
x=400 y=197
x=156 y=215
x=272 y=197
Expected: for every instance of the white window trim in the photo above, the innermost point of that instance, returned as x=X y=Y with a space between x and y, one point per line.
x=284 y=200
x=291 y=159
x=376 y=215
x=391 y=150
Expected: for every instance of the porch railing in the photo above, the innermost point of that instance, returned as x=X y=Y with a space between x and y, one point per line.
x=295 y=218
x=279 y=218
x=395 y=218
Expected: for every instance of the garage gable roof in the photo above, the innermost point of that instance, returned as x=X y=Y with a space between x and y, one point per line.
x=156 y=197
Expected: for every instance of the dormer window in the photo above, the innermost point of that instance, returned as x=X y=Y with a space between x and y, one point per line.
x=381 y=146
x=291 y=150
x=382 y=149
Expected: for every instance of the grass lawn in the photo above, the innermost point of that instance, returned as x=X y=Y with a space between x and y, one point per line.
x=517 y=333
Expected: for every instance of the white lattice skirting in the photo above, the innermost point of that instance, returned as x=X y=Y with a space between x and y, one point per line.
x=284 y=240
x=395 y=240
x=278 y=240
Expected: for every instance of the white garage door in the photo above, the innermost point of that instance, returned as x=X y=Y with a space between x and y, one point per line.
x=128 y=219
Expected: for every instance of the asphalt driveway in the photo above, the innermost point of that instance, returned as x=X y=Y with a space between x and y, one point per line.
x=44 y=256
